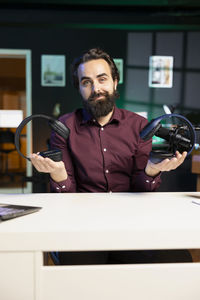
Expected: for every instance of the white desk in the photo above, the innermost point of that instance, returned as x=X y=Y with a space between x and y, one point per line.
x=77 y=222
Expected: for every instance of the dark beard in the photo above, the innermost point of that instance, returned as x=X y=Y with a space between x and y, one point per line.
x=100 y=108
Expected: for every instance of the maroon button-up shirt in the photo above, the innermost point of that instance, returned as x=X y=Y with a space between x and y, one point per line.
x=108 y=158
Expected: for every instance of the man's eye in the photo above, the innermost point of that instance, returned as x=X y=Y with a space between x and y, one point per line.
x=102 y=79
x=86 y=82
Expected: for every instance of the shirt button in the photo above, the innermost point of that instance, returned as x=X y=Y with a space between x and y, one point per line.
x=57 y=188
x=147 y=180
x=107 y=171
x=153 y=181
x=63 y=186
x=104 y=149
x=102 y=128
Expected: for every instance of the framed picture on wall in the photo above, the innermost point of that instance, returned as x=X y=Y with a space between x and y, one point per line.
x=53 y=70
x=161 y=71
x=119 y=64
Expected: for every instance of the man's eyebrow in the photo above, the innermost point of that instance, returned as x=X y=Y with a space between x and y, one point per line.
x=85 y=77
x=102 y=74
x=88 y=78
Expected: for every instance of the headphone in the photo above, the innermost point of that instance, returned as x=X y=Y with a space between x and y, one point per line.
x=180 y=137
x=56 y=125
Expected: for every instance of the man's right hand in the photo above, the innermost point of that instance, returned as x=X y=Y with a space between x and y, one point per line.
x=56 y=170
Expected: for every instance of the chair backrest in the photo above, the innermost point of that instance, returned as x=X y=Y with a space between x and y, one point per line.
x=7 y=137
x=7 y=141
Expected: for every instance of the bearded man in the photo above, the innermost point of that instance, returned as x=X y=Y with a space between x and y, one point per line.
x=104 y=152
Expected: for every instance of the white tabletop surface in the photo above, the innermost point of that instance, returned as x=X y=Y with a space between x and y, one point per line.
x=103 y=221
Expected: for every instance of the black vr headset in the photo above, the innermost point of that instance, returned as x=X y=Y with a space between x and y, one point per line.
x=56 y=125
x=179 y=137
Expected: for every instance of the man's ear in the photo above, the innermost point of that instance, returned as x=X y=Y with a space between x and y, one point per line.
x=115 y=84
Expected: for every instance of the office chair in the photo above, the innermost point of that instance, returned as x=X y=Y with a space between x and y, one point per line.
x=7 y=145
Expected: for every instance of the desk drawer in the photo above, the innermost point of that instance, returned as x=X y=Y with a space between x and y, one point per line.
x=119 y=282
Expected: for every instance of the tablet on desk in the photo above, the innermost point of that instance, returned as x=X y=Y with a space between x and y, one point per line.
x=10 y=211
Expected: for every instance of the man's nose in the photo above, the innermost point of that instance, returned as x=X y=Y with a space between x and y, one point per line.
x=96 y=87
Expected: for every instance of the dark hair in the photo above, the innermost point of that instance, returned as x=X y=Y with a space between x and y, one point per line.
x=92 y=54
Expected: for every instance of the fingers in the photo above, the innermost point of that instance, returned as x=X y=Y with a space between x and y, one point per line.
x=177 y=160
x=56 y=169
x=171 y=164
x=42 y=164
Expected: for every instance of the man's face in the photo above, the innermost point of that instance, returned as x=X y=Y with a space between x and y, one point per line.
x=97 y=87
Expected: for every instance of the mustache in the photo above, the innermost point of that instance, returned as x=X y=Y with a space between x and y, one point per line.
x=95 y=95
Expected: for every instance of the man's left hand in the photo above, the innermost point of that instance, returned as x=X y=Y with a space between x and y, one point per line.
x=165 y=165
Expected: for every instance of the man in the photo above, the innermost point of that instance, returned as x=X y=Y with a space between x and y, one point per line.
x=104 y=152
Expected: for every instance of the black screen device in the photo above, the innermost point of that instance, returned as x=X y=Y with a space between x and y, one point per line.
x=56 y=125
x=10 y=211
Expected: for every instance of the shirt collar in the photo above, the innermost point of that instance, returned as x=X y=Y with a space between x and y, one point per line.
x=86 y=116
x=116 y=115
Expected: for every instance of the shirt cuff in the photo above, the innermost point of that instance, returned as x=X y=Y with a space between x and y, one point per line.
x=151 y=183
x=145 y=183
x=60 y=187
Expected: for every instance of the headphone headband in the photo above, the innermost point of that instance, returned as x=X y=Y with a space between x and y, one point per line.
x=56 y=125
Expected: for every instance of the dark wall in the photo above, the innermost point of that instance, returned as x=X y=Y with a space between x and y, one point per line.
x=59 y=31
x=179 y=180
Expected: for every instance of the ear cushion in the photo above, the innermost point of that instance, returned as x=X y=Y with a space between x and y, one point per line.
x=59 y=128
x=149 y=130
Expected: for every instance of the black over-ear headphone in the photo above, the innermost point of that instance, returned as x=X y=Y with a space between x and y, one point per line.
x=179 y=137
x=56 y=125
